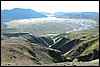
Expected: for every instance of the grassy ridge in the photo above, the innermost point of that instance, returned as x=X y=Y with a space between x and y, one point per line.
x=79 y=43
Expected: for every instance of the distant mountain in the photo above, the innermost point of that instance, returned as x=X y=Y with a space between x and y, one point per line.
x=19 y=13
x=83 y=15
x=45 y=13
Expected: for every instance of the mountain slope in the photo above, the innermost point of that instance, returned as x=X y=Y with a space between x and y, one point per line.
x=16 y=51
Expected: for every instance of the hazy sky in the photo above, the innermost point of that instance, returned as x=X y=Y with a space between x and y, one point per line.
x=53 y=6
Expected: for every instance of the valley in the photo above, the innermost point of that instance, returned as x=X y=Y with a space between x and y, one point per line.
x=43 y=26
x=59 y=39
